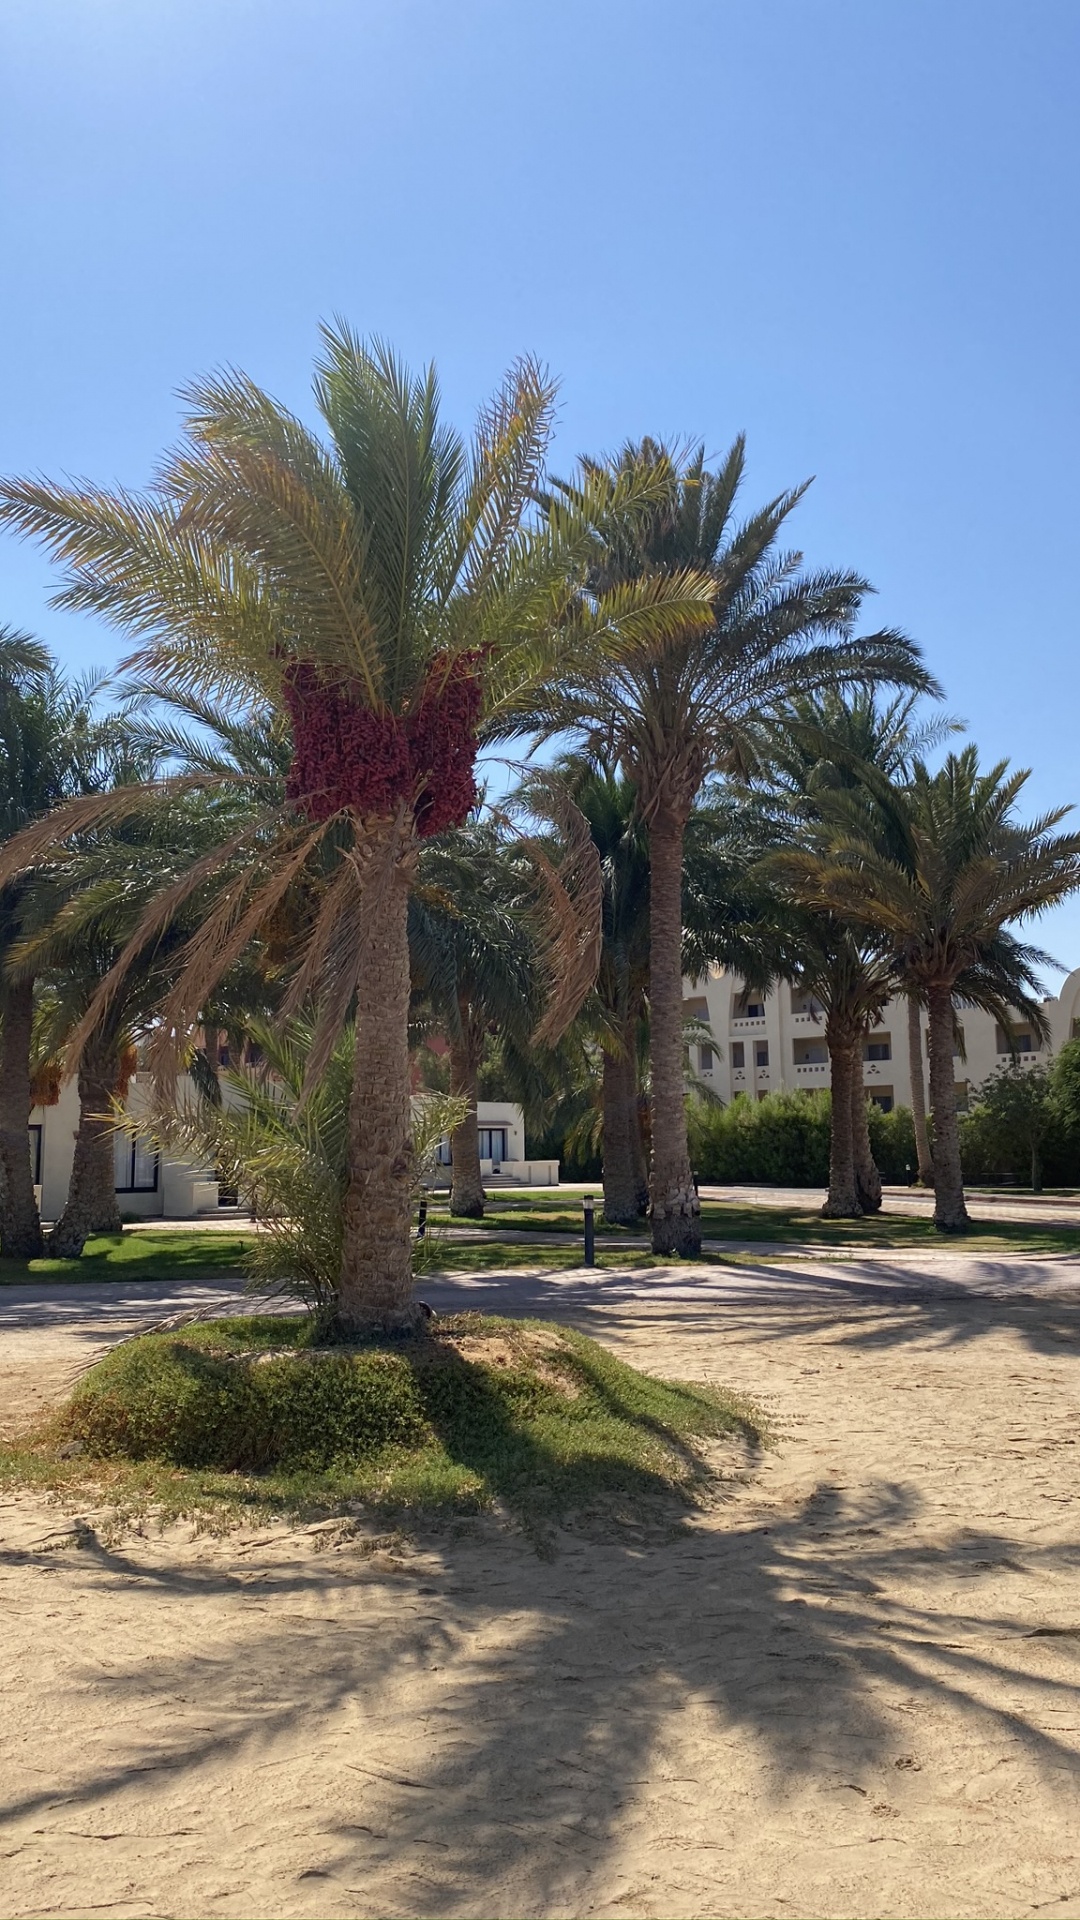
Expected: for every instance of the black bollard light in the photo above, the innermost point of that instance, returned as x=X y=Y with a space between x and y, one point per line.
x=590 y=1231
x=421 y=1218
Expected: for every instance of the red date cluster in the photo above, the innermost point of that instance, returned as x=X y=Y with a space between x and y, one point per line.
x=344 y=755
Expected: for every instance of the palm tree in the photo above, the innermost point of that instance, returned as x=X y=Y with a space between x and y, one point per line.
x=676 y=711
x=815 y=757
x=939 y=886
x=52 y=745
x=607 y=801
x=395 y=593
x=475 y=963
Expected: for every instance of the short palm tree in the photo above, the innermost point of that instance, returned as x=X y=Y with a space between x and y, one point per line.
x=607 y=801
x=53 y=744
x=392 y=592
x=815 y=757
x=476 y=966
x=937 y=874
x=677 y=710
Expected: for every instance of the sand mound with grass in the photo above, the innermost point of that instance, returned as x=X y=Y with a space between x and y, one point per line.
x=474 y=1411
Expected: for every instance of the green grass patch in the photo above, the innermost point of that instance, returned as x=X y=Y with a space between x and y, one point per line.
x=139 y=1254
x=785 y=1225
x=247 y=1415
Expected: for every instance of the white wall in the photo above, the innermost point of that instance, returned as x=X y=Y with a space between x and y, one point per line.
x=783 y=1029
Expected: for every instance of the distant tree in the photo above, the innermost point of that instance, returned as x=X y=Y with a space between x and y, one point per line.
x=940 y=883
x=677 y=712
x=1016 y=1112
x=1065 y=1081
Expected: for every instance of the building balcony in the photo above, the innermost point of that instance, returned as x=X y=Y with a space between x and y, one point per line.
x=812 y=1069
x=741 y=1025
x=807 y=1019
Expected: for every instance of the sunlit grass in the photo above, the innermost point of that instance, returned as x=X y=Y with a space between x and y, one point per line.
x=242 y=1417
x=182 y=1253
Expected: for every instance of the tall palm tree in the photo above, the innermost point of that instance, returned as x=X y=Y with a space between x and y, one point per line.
x=675 y=711
x=53 y=744
x=937 y=871
x=394 y=592
x=817 y=753
x=476 y=964
x=608 y=803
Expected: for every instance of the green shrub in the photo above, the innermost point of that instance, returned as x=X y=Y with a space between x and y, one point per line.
x=783 y=1140
x=548 y=1415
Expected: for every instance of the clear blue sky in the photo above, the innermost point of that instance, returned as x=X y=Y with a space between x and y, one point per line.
x=847 y=226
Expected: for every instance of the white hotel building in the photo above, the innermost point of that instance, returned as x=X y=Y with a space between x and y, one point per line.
x=762 y=1042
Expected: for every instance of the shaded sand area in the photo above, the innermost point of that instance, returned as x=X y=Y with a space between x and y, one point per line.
x=849 y=1688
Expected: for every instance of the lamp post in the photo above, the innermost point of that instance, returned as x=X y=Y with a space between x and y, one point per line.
x=590 y=1231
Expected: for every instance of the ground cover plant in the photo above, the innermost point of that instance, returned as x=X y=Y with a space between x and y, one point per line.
x=147 y=1254
x=561 y=1213
x=477 y=1411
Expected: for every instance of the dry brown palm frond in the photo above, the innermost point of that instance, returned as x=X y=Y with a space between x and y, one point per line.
x=219 y=943
x=88 y=813
x=158 y=916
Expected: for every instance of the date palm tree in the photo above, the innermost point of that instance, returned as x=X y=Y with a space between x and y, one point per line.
x=676 y=710
x=937 y=871
x=53 y=744
x=393 y=592
x=818 y=754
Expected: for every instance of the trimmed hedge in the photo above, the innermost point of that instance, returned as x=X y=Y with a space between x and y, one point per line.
x=783 y=1140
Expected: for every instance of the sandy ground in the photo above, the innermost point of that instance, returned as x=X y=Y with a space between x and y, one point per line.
x=850 y=1688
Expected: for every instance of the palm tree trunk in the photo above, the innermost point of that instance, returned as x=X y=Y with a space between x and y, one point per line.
x=918 y=1094
x=91 y=1204
x=620 y=1119
x=867 y=1174
x=639 y=1151
x=376 y=1288
x=1036 y=1168
x=466 y=1182
x=843 y=1200
x=20 y=1223
x=675 y=1210
x=950 y=1210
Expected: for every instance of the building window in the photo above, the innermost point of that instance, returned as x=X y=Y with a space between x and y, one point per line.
x=493 y=1144
x=706 y=1059
x=35 y=1153
x=748 y=1005
x=1022 y=1040
x=802 y=1002
x=878 y=1049
x=882 y=1098
x=960 y=1089
x=136 y=1163
x=738 y=1053
x=810 y=1053
x=761 y=1053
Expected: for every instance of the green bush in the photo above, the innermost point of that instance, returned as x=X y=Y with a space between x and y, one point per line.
x=538 y=1412
x=783 y=1140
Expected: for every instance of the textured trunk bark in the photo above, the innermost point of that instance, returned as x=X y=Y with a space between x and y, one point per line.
x=950 y=1209
x=843 y=1200
x=619 y=1095
x=376 y=1288
x=20 y=1224
x=91 y=1205
x=867 y=1175
x=675 y=1211
x=640 y=1153
x=466 y=1184
x=1036 y=1168
x=918 y=1095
